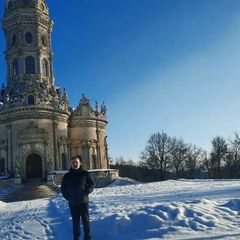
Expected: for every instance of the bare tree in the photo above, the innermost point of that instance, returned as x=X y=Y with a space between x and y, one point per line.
x=218 y=154
x=179 y=155
x=194 y=161
x=158 y=153
x=233 y=158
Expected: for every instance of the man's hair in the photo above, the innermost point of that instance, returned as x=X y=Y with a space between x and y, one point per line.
x=77 y=157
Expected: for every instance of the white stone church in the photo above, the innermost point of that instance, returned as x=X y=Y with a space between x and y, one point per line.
x=39 y=131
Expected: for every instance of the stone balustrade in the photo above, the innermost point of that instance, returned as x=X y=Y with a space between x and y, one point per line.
x=102 y=177
x=6 y=183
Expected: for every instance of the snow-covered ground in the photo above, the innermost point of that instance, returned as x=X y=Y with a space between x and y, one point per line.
x=183 y=209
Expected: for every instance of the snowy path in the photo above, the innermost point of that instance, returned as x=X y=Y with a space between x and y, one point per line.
x=38 y=219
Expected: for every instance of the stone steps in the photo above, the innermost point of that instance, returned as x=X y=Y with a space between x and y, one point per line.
x=29 y=191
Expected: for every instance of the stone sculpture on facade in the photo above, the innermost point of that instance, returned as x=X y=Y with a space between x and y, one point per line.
x=17 y=170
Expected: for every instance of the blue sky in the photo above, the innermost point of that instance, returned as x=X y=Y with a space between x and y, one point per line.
x=160 y=65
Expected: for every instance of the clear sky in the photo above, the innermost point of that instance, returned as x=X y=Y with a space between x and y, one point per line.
x=159 y=65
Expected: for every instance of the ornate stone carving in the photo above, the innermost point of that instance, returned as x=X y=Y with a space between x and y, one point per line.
x=17 y=170
x=32 y=132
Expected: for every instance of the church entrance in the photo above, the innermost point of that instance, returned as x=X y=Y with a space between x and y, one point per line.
x=34 y=166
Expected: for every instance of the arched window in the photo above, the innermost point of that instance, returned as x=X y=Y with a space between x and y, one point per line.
x=26 y=2
x=14 y=40
x=15 y=67
x=30 y=100
x=44 y=68
x=2 y=167
x=10 y=5
x=28 y=37
x=30 y=65
x=44 y=41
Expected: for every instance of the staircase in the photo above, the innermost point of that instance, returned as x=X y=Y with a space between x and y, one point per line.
x=29 y=191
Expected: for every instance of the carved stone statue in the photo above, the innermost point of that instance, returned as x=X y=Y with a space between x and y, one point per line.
x=50 y=166
x=17 y=170
x=103 y=108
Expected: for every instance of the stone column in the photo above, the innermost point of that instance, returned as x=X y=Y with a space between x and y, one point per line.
x=55 y=141
x=9 y=154
x=99 y=160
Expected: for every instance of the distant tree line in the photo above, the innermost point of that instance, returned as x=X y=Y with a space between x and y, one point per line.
x=166 y=157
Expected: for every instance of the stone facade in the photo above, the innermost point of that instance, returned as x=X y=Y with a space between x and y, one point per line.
x=39 y=131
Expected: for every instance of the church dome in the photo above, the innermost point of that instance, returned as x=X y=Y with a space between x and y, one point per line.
x=11 y=5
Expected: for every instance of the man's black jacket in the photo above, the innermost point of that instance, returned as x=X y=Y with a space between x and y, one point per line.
x=76 y=186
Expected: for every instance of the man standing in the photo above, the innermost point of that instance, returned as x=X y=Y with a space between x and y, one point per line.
x=76 y=185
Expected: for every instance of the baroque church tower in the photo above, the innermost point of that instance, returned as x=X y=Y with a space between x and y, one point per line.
x=39 y=131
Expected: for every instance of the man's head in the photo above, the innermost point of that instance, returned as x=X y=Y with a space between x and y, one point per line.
x=76 y=162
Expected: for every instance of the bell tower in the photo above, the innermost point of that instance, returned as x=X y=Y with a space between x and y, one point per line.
x=34 y=114
x=30 y=79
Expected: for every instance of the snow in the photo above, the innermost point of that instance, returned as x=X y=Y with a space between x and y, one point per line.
x=174 y=209
x=3 y=177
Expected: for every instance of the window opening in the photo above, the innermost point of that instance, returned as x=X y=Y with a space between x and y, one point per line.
x=30 y=65
x=15 y=67
x=30 y=100
x=28 y=37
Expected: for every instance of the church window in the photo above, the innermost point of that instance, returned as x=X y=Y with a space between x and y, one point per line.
x=10 y=5
x=26 y=2
x=15 y=67
x=30 y=100
x=28 y=37
x=42 y=6
x=44 y=67
x=44 y=42
x=2 y=167
x=30 y=65
x=14 y=40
